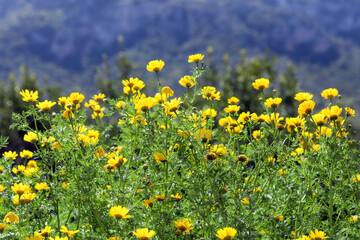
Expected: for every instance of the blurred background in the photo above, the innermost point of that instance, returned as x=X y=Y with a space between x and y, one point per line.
x=90 y=46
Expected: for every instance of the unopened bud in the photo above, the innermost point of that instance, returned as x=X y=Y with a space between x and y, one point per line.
x=274 y=91
x=145 y=166
x=261 y=99
x=339 y=96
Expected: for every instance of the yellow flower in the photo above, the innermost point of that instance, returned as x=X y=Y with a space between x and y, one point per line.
x=120 y=104
x=226 y=233
x=159 y=157
x=195 y=58
x=173 y=105
x=155 y=66
x=29 y=96
x=119 y=212
x=31 y=137
x=349 y=112
x=63 y=101
x=245 y=201
x=177 y=196
x=354 y=218
x=233 y=100
x=261 y=83
x=317 y=235
x=319 y=119
x=270 y=160
x=332 y=113
x=203 y=135
x=58 y=238
x=295 y=123
x=243 y=159
x=184 y=226
x=305 y=108
x=160 y=198
x=187 y=81
x=91 y=104
x=20 y=188
x=19 y=169
x=37 y=236
x=167 y=91
x=273 y=102
x=10 y=155
x=257 y=135
x=279 y=217
x=42 y=186
x=69 y=233
x=3 y=227
x=2 y=188
x=356 y=178
x=323 y=131
x=99 y=97
x=11 y=217
x=114 y=238
x=76 y=98
x=144 y=104
x=303 y=96
x=26 y=154
x=149 y=202
x=232 y=109
x=209 y=113
x=24 y=198
x=46 y=105
x=208 y=91
x=143 y=233
x=330 y=93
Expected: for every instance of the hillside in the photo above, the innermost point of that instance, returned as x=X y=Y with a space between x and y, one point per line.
x=64 y=40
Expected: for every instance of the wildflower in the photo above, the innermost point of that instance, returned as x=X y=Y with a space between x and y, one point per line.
x=279 y=217
x=68 y=114
x=2 y=188
x=220 y=149
x=226 y=233
x=353 y=218
x=270 y=160
x=37 y=236
x=3 y=227
x=232 y=109
x=209 y=113
x=149 y=202
x=356 y=178
x=119 y=212
x=99 y=97
x=26 y=154
x=349 y=112
x=317 y=235
x=155 y=66
x=303 y=96
x=46 y=105
x=58 y=238
x=261 y=83
x=211 y=156
x=283 y=172
x=69 y=233
x=159 y=157
x=177 y=196
x=91 y=104
x=120 y=104
x=257 y=135
x=138 y=120
x=245 y=201
x=160 y=198
x=273 y=102
x=143 y=233
x=144 y=104
x=295 y=123
x=323 y=131
x=24 y=198
x=167 y=91
x=233 y=100
x=319 y=119
x=31 y=137
x=42 y=186
x=11 y=217
x=243 y=159
x=244 y=117
x=195 y=58
x=2 y=169
x=117 y=161
x=332 y=113
x=20 y=169
x=305 y=108
x=114 y=238
x=208 y=91
x=10 y=155
x=187 y=81
x=330 y=93
x=204 y=135
x=184 y=226
x=29 y=96
x=21 y=188
x=63 y=101
x=76 y=98
x=173 y=105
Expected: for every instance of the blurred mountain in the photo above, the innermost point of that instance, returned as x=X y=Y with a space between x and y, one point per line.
x=65 y=39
